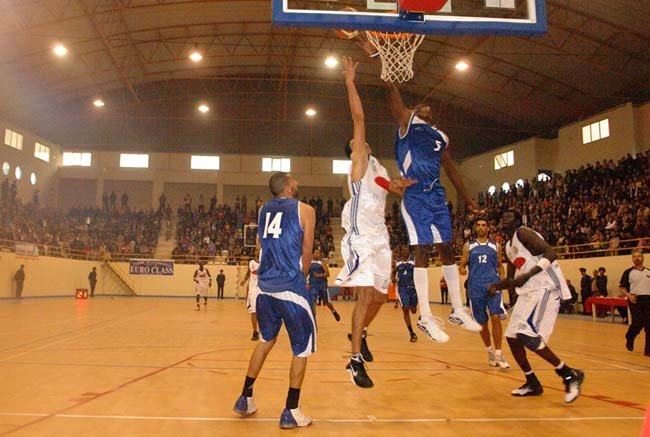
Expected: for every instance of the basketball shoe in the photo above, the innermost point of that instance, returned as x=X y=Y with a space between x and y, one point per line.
x=245 y=406
x=460 y=317
x=365 y=352
x=432 y=327
x=572 y=384
x=357 y=370
x=529 y=389
x=293 y=419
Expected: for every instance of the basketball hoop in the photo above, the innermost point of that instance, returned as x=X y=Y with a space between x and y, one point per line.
x=396 y=50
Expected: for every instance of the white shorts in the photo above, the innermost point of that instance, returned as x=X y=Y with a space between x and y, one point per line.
x=534 y=314
x=251 y=300
x=367 y=262
x=201 y=289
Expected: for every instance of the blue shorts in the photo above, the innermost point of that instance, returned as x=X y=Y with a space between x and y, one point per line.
x=427 y=220
x=295 y=310
x=407 y=296
x=324 y=295
x=484 y=304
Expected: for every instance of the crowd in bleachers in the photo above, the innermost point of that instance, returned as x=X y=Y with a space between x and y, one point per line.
x=208 y=230
x=80 y=231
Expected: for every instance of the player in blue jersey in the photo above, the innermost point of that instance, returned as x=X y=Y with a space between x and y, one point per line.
x=483 y=257
x=421 y=149
x=406 y=288
x=286 y=236
x=318 y=274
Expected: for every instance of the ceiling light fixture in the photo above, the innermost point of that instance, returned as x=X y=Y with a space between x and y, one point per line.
x=331 y=62
x=204 y=108
x=310 y=112
x=196 y=56
x=60 y=50
x=462 y=66
x=98 y=103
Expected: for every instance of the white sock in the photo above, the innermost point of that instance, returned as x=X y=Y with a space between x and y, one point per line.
x=452 y=278
x=498 y=352
x=421 y=280
x=489 y=348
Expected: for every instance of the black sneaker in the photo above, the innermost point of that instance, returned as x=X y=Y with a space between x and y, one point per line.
x=414 y=337
x=528 y=389
x=365 y=352
x=336 y=316
x=256 y=336
x=629 y=345
x=572 y=385
x=357 y=371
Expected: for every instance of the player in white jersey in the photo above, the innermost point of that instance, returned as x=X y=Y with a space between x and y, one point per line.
x=535 y=274
x=202 y=282
x=252 y=292
x=365 y=246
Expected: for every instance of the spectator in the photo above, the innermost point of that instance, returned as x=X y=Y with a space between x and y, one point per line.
x=113 y=200
x=601 y=282
x=444 y=291
x=125 y=201
x=20 y=281
x=221 y=280
x=568 y=306
x=92 y=279
x=585 y=288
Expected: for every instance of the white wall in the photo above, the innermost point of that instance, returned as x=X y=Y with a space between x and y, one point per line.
x=642 y=127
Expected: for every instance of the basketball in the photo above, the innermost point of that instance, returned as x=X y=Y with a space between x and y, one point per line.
x=346 y=33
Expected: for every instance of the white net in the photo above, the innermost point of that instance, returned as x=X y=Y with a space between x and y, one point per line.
x=396 y=51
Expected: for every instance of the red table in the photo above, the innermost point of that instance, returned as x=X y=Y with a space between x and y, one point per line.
x=610 y=302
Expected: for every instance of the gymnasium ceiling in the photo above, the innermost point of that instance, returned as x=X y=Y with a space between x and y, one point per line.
x=259 y=78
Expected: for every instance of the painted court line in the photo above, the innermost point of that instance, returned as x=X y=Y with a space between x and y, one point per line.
x=369 y=418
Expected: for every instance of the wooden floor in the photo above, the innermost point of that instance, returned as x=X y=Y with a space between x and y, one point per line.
x=144 y=366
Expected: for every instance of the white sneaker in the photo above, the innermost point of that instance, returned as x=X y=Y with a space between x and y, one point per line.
x=293 y=419
x=460 y=317
x=500 y=361
x=432 y=327
x=492 y=360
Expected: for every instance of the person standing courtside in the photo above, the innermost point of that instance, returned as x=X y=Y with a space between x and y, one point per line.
x=365 y=246
x=585 y=288
x=535 y=274
x=286 y=235
x=92 y=279
x=221 y=280
x=20 y=280
x=483 y=257
x=635 y=285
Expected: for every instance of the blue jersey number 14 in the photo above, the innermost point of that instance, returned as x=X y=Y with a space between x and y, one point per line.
x=272 y=226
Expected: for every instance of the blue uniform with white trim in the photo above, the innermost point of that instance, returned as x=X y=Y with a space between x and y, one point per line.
x=318 y=285
x=483 y=264
x=405 y=283
x=283 y=293
x=424 y=206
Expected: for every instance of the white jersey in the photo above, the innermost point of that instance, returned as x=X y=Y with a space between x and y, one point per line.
x=364 y=213
x=252 y=279
x=202 y=276
x=551 y=279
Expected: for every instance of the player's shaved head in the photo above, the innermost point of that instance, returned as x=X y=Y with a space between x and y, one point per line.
x=278 y=183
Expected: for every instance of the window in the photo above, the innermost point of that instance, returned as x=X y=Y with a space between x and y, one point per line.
x=276 y=164
x=595 y=131
x=519 y=183
x=543 y=177
x=18 y=173
x=492 y=190
x=200 y=162
x=82 y=159
x=134 y=160
x=13 y=139
x=341 y=166
x=510 y=4
x=6 y=168
x=502 y=160
x=32 y=178
x=505 y=187
x=42 y=152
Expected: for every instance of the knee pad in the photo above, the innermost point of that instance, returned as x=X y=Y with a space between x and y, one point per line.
x=532 y=343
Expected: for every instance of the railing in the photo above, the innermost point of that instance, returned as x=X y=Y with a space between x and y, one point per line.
x=64 y=252
x=586 y=250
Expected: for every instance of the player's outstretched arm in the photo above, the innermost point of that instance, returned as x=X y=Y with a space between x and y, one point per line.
x=452 y=172
x=246 y=276
x=400 y=112
x=308 y=223
x=462 y=268
x=359 y=155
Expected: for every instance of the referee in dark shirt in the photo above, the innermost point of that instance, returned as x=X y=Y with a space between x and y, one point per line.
x=635 y=285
